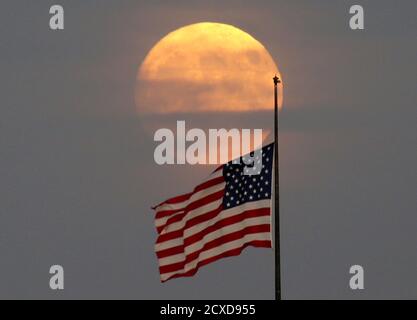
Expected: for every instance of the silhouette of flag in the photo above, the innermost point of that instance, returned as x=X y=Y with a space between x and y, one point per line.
x=226 y=213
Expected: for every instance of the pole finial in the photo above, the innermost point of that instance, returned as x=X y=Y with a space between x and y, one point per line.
x=276 y=80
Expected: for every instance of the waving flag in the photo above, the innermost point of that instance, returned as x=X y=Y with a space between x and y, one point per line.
x=223 y=215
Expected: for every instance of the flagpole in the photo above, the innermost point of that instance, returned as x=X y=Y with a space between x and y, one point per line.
x=276 y=203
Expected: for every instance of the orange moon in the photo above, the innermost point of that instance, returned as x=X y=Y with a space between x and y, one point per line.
x=206 y=67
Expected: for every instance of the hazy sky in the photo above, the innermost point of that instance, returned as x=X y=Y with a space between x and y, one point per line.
x=78 y=178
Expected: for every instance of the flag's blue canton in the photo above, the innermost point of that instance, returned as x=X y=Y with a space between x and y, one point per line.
x=242 y=188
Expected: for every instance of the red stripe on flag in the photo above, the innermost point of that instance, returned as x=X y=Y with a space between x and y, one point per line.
x=166 y=213
x=175 y=200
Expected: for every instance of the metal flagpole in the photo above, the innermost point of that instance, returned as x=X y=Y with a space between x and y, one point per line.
x=276 y=203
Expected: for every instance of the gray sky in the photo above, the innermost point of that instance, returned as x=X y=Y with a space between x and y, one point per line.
x=77 y=175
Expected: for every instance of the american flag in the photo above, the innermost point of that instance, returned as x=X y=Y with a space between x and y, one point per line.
x=226 y=213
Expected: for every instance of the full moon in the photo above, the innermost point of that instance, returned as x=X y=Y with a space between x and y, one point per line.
x=206 y=67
